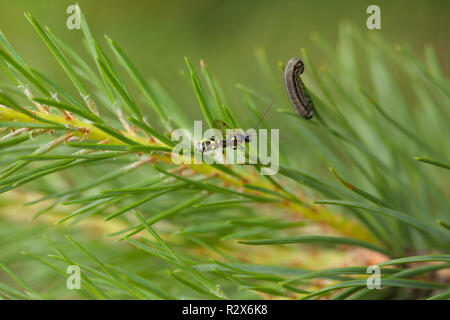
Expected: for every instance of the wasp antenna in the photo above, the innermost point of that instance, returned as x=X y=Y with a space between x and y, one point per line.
x=264 y=114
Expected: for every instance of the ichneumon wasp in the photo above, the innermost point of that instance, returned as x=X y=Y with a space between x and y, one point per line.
x=234 y=139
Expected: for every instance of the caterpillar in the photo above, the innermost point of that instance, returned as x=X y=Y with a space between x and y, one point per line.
x=296 y=90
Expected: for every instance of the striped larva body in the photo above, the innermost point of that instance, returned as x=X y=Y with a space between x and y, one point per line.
x=296 y=90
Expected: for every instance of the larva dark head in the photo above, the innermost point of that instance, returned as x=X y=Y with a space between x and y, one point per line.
x=297 y=65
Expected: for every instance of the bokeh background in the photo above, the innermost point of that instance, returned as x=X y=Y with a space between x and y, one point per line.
x=158 y=34
x=228 y=35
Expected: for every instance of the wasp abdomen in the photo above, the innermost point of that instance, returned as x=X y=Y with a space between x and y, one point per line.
x=208 y=145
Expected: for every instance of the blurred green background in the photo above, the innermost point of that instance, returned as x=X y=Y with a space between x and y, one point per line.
x=158 y=34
